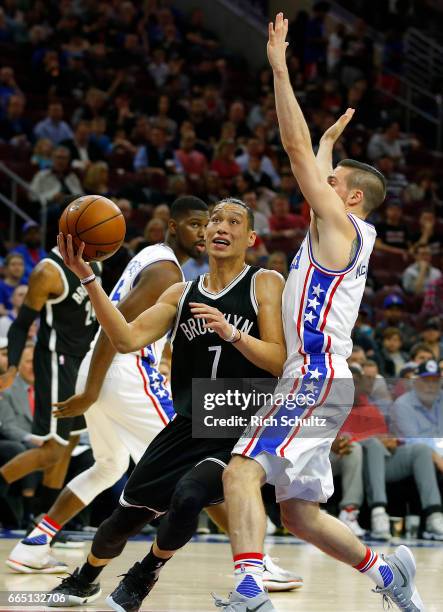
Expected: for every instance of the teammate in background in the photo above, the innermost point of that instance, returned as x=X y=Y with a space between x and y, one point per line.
x=180 y=475
x=123 y=396
x=320 y=306
x=67 y=328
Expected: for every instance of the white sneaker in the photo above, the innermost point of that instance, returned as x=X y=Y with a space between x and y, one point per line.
x=350 y=519
x=380 y=527
x=434 y=527
x=34 y=559
x=275 y=578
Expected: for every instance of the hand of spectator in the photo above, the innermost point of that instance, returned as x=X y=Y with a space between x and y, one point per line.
x=212 y=318
x=277 y=44
x=342 y=446
x=390 y=443
x=423 y=266
x=333 y=133
x=7 y=378
x=74 y=261
x=73 y=406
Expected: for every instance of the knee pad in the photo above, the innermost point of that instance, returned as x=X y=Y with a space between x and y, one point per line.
x=189 y=499
x=100 y=476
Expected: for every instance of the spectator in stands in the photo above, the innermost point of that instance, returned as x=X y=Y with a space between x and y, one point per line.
x=17 y=298
x=428 y=235
x=42 y=154
x=279 y=262
x=286 y=228
x=16 y=411
x=315 y=51
x=288 y=188
x=395 y=315
x=387 y=144
x=196 y=266
x=99 y=135
x=347 y=461
x=255 y=148
x=156 y=157
x=396 y=182
x=158 y=68
x=392 y=234
x=424 y=189
x=357 y=357
x=53 y=127
x=14 y=127
x=376 y=387
x=255 y=174
x=83 y=150
x=420 y=353
x=431 y=336
x=155 y=232
x=224 y=163
x=3 y=355
x=8 y=87
x=237 y=116
x=162 y=119
x=97 y=179
x=92 y=108
x=30 y=248
x=391 y=357
x=433 y=298
x=261 y=223
x=133 y=234
x=205 y=127
x=418 y=276
x=193 y=163
x=417 y=415
x=54 y=184
x=13 y=274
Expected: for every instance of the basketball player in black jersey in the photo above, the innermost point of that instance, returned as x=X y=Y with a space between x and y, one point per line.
x=67 y=328
x=178 y=474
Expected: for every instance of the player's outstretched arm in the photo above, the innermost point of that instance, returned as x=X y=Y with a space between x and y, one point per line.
x=268 y=352
x=327 y=142
x=45 y=282
x=125 y=337
x=295 y=135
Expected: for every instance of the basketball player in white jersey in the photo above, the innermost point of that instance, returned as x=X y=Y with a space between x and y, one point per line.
x=320 y=306
x=125 y=401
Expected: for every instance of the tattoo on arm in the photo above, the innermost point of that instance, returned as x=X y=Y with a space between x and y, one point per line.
x=354 y=248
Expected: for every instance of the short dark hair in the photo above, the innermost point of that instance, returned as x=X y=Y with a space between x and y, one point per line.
x=249 y=211
x=390 y=332
x=419 y=346
x=184 y=205
x=10 y=256
x=367 y=178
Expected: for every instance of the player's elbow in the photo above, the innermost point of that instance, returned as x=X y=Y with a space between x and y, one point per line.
x=122 y=345
x=278 y=366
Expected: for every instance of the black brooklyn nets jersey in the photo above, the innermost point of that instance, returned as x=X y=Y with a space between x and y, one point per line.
x=201 y=353
x=67 y=323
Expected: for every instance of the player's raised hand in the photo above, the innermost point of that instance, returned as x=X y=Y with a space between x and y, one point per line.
x=214 y=319
x=333 y=133
x=73 y=260
x=277 y=43
x=73 y=406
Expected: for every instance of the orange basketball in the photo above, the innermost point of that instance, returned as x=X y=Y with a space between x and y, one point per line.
x=97 y=222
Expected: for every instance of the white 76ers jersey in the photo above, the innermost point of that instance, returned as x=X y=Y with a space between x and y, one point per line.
x=129 y=278
x=320 y=306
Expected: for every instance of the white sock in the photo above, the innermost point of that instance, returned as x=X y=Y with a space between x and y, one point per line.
x=376 y=568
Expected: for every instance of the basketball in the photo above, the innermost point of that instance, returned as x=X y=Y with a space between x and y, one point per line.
x=97 y=222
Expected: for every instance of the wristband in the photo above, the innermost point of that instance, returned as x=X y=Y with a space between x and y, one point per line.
x=232 y=336
x=239 y=337
x=88 y=279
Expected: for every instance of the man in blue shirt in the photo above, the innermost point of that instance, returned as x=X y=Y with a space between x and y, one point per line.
x=53 y=127
x=30 y=249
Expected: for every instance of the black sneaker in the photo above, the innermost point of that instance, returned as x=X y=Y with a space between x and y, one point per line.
x=74 y=591
x=130 y=593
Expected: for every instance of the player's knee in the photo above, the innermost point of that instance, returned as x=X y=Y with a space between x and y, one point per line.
x=110 y=469
x=52 y=452
x=188 y=501
x=241 y=472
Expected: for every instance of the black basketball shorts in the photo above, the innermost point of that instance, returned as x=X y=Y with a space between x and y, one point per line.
x=55 y=378
x=171 y=454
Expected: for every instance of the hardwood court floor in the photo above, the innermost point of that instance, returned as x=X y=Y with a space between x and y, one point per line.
x=202 y=567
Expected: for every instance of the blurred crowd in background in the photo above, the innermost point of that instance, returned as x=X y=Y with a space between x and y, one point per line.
x=140 y=102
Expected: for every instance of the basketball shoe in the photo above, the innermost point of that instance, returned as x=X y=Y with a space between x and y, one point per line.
x=132 y=590
x=239 y=603
x=349 y=516
x=33 y=556
x=402 y=591
x=74 y=591
x=276 y=578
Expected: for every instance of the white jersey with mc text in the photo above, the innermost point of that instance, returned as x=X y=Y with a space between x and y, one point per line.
x=320 y=306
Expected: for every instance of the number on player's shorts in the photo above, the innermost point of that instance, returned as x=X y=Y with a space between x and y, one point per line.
x=217 y=351
x=90 y=314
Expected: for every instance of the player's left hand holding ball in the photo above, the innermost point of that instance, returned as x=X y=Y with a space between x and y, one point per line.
x=214 y=319
x=74 y=261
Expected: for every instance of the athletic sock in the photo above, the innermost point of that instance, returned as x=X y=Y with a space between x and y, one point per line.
x=376 y=568
x=248 y=574
x=43 y=532
x=90 y=572
x=151 y=564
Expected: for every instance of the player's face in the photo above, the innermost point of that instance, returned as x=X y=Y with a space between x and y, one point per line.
x=338 y=182
x=190 y=232
x=228 y=233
